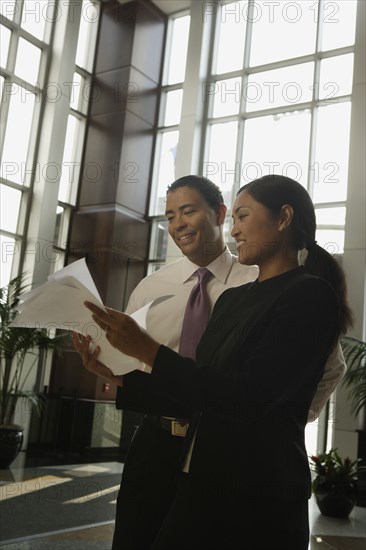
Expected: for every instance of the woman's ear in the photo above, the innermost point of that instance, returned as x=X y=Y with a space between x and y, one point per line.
x=286 y=217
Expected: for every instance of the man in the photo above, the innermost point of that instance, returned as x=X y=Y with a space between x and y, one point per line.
x=196 y=213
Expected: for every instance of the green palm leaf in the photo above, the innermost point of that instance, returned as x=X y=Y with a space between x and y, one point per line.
x=15 y=344
x=354 y=351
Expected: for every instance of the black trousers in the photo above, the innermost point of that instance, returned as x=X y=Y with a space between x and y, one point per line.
x=212 y=518
x=148 y=485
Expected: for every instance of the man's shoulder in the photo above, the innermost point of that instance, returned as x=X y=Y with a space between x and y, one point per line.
x=168 y=273
x=164 y=272
x=159 y=283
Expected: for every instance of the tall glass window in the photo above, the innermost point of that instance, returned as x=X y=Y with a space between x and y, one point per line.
x=168 y=132
x=27 y=31
x=276 y=98
x=80 y=98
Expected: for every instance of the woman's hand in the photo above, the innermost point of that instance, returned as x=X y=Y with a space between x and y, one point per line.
x=90 y=360
x=123 y=333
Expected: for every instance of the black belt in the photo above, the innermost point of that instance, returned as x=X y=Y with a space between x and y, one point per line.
x=173 y=426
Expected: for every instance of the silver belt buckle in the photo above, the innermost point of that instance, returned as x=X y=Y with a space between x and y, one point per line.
x=178 y=430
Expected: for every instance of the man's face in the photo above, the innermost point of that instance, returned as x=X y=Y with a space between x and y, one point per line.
x=194 y=226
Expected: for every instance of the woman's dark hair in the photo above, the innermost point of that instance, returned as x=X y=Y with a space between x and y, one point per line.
x=273 y=191
x=209 y=190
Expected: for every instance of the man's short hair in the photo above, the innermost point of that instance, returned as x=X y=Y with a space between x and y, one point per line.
x=209 y=190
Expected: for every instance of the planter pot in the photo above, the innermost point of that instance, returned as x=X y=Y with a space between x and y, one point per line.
x=11 y=439
x=336 y=501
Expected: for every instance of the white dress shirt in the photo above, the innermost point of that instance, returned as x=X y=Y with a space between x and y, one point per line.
x=164 y=321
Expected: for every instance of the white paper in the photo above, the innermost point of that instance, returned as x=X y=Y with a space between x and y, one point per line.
x=59 y=303
x=77 y=270
x=80 y=271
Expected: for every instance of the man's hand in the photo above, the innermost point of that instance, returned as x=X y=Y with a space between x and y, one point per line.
x=90 y=360
x=123 y=333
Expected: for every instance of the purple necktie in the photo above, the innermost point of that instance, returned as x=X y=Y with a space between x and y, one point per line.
x=196 y=315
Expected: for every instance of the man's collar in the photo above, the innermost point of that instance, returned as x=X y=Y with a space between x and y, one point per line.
x=220 y=267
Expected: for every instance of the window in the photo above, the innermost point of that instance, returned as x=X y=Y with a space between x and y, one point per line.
x=276 y=109
x=24 y=51
x=31 y=99
x=278 y=96
x=168 y=132
x=284 y=109
x=80 y=96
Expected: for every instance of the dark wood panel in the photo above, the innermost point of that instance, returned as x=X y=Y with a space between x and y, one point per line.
x=125 y=88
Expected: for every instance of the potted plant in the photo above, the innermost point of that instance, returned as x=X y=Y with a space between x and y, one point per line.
x=20 y=349
x=354 y=380
x=335 y=486
x=354 y=351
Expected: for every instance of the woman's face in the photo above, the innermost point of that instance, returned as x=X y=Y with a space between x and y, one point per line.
x=257 y=232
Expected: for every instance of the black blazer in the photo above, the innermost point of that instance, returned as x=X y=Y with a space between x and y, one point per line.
x=259 y=364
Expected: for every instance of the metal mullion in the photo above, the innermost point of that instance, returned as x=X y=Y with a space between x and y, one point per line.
x=33 y=39
x=238 y=153
x=9 y=74
x=156 y=261
x=77 y=156
x=13 y=185
x=325 y=205
x=37 y=137
x=314 y=107
x=223 y=119
x=248 y=71
x=264 y=112
x=336 y=52
x=8 y=24
x=12 y=24
x=77 y=114
x=64 y=205
x=21 y=82
x=208 y=104
x=27 y=35
x=333 y=100
x=164 y=90
x=282 y=64
x=172 y=87
x=243 y=102
x=58 y=248
x=18 y=242
x=5 y=73
x=83 y=72
x=226 y=76
x=172 y=128
x=65 y=223
x=214 y=42
x=281 y=109
x=15 y=236
x=331 y=226
x=168 y=50
x=23 y=210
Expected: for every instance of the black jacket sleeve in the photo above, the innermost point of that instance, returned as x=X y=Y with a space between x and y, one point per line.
x=137 y=395
x=281 y=362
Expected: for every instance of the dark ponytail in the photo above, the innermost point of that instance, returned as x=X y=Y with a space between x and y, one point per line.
x=319 y=262
x=273 y=191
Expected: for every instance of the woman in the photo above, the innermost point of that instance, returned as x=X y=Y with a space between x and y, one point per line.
x=245 y=480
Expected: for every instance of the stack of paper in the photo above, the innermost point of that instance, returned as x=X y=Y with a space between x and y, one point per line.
x=59 y=303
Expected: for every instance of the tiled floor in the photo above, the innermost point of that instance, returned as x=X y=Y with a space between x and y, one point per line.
x=72 y=507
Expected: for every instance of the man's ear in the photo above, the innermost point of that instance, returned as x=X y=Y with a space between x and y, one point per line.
x=221 y=213
x=286 y=217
